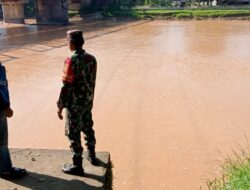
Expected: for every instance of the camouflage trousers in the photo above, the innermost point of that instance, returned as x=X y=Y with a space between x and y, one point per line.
x=75 y=124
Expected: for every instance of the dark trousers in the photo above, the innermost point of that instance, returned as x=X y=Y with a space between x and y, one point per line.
x=5 y=161
x=75 y=124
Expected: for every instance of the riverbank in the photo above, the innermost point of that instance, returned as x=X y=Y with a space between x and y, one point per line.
x=235 y=172
x=175 y=14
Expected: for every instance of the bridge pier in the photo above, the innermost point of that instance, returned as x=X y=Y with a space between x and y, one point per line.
x=52 y=12
x=13 y=11
x=49 y=11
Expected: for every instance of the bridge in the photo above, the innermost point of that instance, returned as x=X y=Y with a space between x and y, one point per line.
x=47 y=11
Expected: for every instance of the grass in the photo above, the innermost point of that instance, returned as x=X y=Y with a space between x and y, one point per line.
x=182 y=13
x=235 y=173
x=220 y=13
x=73 y=13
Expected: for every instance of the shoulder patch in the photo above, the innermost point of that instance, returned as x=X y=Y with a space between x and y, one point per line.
x=68 y=74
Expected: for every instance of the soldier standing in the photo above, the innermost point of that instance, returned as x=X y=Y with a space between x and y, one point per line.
x=77 y=95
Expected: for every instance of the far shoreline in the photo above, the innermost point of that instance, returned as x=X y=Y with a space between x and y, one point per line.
x=209 y=13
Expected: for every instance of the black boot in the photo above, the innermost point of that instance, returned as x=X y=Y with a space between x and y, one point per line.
x=14 y=173
x=91 y=156
x=75 y=168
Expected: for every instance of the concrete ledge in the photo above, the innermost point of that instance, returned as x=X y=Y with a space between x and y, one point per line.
x=44 y=168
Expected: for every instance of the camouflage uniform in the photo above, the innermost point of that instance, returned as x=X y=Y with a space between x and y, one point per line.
x=77 y=95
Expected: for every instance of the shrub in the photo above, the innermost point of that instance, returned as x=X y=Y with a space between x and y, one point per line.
x=73 y=13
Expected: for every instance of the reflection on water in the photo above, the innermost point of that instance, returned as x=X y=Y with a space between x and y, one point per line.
x=18 y=30
x=18 y=36
x=211 y=52
x=209 y=38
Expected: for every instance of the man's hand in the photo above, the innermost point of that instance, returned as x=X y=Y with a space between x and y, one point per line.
x=8 y=112
x=59 y=113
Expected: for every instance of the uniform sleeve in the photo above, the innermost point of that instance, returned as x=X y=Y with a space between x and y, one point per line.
x=90 y=75
x=67 y=79
x=68 y=75
x=93 y=75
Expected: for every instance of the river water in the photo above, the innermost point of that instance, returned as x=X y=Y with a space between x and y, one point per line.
x=172 y=98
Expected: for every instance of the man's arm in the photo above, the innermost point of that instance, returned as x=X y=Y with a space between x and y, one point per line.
x=65 y=94
x=93 y=76
x=3 y=103
x=4 y=93
x=63 y=100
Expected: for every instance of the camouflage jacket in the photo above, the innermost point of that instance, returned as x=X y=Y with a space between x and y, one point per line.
x=79 y=76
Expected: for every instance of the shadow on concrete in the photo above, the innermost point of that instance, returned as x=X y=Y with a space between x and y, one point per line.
x=45 y=174
x=102 y=164
x=36 y=181
x=109 y=177
x=16 y=37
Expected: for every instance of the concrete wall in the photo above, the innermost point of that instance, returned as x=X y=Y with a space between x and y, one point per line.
x=13 y=11
x=49 y=11
x=55 y=11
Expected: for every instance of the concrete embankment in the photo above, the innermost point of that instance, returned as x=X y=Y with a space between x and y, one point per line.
x=44 y=171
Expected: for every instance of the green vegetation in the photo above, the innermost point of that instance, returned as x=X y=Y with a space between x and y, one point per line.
x=167 y=9
x=73 y=13
x=29 y=9
x=235 y=174
x=173 y=3
x=181 y=13
x=220 y=13
x=184 y=15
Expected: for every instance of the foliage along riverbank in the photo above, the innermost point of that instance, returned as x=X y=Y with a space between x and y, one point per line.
x=243 y=14
x=235 y=173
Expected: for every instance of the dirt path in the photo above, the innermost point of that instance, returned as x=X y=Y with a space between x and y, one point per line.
x=169 y=97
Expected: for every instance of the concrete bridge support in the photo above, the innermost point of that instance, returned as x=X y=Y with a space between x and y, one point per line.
x=49 y=11
x=13 y=11
x=52 y=12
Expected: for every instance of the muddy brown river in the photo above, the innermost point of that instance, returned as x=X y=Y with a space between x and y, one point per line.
x=172 y=98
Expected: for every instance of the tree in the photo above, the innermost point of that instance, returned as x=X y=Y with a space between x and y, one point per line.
x=94 y=3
